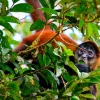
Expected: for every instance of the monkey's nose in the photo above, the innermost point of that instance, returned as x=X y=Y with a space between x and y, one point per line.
x=84 y=56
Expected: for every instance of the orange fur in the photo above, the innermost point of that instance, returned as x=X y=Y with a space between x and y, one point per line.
x=45 y=36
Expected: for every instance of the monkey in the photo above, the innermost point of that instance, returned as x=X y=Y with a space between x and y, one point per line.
x=88 y=53
x=90 y=60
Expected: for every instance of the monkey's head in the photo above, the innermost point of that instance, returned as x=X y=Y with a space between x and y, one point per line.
x=87 y=52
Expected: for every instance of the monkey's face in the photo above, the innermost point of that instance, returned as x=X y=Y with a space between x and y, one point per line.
x=86 y=52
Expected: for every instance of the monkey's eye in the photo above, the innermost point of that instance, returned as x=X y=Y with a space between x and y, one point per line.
x=80 y=51
x=90 y=54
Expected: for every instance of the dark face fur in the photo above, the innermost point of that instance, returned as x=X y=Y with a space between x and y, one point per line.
x=86 y=52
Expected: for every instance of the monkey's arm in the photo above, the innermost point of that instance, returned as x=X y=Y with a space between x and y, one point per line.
x=27 y=41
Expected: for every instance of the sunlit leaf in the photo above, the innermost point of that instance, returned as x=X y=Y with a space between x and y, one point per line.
x=59 y=68
x=87 y=96
x=95 y=29
x=89 y=30
x=81 y=23
x=56 y=52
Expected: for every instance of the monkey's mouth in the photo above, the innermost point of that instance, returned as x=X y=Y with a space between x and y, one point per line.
x=81 y=62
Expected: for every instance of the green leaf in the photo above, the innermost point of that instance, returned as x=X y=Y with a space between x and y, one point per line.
x=1 y=34
x=50 y=11
x=14 y=1
x=2 y=74
x=71 y=87
x=75 y=98
x=81 y=23
x=52 y=2
x=27 y=86
x=83 y=75
x=53 y=26
x=44 y=77
x=40 y=59
x=38 y=24
x=67 y=51
x=59 y=68
x=18 y=67
x=89 y=30
x=49 y=50
x=5 y=51
x=88 y=96
x=72 y=66
x=51 y=76
x=13 y=85
x=95 y=72
x=6 y=25
x=46 y=59
x=66 y=76
x=56 y=52
x=22 y=7
x=5 y=43
x=11 y=19
x=44 y=4
x=13 y=42
x=39 y=98
x=5 y=67
x=94 y=79
x=95 y=29
x=26 y=28
x=13 y=89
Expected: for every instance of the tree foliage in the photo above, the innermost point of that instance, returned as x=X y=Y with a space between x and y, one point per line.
x=19 y=78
